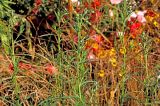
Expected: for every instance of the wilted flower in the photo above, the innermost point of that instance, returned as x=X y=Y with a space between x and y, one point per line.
x=115 y=1
x=51 y=69
x=24 y=66
x=95 y=17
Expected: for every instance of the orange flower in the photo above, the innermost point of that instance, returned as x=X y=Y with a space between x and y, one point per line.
x=97 y=38
x=95 y=47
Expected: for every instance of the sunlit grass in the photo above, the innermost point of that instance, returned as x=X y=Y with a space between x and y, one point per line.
x=79 y=55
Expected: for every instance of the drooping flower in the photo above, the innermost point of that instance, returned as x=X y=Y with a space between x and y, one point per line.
x=115 y=1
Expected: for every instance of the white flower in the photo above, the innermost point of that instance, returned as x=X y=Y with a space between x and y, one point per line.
x=139 y=16
x=115 y=1
x=76 y=1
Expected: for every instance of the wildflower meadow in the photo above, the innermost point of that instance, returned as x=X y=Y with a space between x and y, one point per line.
x=79 y=52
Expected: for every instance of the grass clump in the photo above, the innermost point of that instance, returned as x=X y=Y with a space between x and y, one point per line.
x=90 y=52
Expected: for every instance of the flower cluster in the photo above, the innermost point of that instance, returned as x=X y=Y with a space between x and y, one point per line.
x=136 y=22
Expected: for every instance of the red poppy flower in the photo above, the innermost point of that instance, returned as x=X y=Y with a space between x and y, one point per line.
x=96 y=4
x=136 y=29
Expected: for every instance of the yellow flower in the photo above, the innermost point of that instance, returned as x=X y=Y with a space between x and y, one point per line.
x=102 y=54
x=95 y=46
x=123 y=50
x=112 y=52
x=157 y=40
x=156 y=24
x=101 y=73
x=113 y=62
